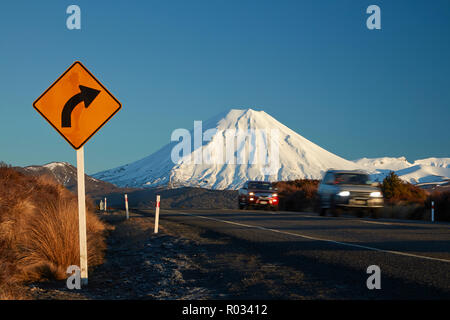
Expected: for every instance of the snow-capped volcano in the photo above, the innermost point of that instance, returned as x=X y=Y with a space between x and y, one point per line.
x=215 y=167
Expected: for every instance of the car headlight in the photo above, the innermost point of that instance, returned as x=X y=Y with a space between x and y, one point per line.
x=251 y=193
x=344 y=193
x=275 y=195
x=376 y=194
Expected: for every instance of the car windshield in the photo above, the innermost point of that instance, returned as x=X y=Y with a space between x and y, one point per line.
x=260 y=185
x=351 y=178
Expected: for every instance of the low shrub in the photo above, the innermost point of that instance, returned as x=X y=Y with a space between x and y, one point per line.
x=397 y=191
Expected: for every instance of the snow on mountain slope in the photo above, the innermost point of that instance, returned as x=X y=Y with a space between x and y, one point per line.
x=372 y=164
x=420 y=171
x=417 y=174
x=427 y=170
x=423 y=173
x=299 y=158
x=434 y=162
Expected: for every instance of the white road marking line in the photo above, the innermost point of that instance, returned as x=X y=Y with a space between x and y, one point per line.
x=321 y=239
x=386 y=223
x=352 y=219
x=397 y=223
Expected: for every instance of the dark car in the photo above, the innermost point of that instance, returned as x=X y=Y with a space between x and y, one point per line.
x=345 y=189
x=256 y=194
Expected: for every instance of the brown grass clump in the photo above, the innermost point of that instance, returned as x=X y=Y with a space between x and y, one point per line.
x=39 y=231
x=297 y=195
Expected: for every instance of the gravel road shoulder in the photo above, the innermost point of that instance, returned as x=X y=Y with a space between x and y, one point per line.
x=181 y=262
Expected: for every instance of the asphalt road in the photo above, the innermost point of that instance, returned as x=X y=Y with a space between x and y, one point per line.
x=414 y=257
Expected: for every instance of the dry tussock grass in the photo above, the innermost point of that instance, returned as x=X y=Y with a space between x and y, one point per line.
x=39 y=231
x=297 y=195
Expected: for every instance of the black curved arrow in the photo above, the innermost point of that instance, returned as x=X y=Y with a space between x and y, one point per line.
x=87 y=95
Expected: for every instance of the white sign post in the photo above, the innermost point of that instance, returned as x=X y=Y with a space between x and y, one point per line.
x=126 y=205
x=157 y=213
x=82 y=216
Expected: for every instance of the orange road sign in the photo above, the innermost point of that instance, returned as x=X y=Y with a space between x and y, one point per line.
x=77 y=105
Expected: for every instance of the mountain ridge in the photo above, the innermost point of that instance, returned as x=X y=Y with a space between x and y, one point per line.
x=66 y=174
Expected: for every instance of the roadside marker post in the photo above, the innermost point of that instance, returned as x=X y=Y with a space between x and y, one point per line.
x=77 y=106
x=432 y=211
x=126 y=206
x=158 y=204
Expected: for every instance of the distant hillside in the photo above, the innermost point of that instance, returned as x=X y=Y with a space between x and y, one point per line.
x=66 y=174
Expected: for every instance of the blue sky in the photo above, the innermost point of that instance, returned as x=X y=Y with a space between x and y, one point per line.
x=313 y=65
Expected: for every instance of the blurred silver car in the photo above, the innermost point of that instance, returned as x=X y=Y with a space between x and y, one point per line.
x=345 y=189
